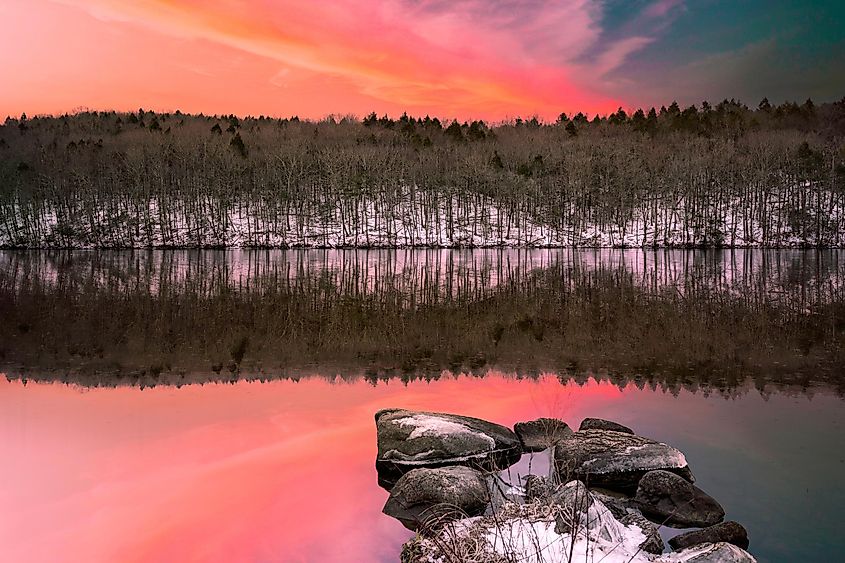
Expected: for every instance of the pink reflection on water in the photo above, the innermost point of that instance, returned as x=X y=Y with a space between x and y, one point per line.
x=279 y=471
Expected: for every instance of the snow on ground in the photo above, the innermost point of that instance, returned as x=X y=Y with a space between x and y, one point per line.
x=520 y=535
x=409 y=221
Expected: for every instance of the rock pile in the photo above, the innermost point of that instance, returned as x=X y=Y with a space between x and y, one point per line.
x=607 y=495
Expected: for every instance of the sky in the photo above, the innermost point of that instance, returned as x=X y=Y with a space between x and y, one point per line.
x=490 y=59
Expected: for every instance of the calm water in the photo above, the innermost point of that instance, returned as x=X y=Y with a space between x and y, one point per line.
x=218 y=406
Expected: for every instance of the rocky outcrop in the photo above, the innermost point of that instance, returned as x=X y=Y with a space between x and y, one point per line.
x=425 y=499
x=411 y=439
x=709 y=553
x=541 y=434
x=671 y=500
x=729 y=532
x=602 y=424
x=619 y=489
x=615 y=460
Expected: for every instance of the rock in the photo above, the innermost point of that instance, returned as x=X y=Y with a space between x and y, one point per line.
x=541 y=434
x=537 y=487
x=709 y=553
x=653 y=542
x=574 y=499
x=625 y=510
x=425 y=499
x=411 y=439
x=729 y=532
x=615 y=460
x=618 y=503
x=602 y=424
x=580 y=513
x=671 y=500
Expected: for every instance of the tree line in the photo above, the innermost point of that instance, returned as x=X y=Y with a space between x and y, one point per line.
x=709 y=175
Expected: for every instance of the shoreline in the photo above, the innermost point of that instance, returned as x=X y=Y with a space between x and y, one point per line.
x=802 y=247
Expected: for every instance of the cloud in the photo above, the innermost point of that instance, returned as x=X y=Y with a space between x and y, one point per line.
x=613 y=57
x=461 y=56
x=280 y=78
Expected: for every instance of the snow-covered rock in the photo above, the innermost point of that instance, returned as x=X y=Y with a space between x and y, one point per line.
x=709 y=553
x=615 y=460
x=424 y=499
x=412 y=439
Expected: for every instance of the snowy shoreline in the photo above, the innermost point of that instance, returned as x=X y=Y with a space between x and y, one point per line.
x=601 y=493
x=412 y=220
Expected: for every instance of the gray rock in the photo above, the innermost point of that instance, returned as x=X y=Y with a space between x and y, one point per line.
x=709 y=553
x=671 y=500
x=411 y=439
x=653 y=542
x=602 y=424
x=537 y=487
x=615 y=460
x=541 y=434
x=729 y=532
x=618 y=503
x=573 y=497
x=425 y=499
x=575 y=502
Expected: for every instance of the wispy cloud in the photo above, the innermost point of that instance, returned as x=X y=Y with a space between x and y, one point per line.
x=461 y=57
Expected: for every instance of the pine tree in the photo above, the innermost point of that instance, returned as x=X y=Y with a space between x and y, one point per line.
x=238 y=144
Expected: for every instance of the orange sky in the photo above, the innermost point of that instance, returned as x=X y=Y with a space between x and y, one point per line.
x=463 y=58
x=493 y=59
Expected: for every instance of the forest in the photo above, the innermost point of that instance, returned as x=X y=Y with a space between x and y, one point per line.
x=720 y=175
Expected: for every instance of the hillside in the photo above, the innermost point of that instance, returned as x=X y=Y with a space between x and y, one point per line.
x=722 y=175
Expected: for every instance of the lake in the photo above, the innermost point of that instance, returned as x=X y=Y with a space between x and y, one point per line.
x=218 y=405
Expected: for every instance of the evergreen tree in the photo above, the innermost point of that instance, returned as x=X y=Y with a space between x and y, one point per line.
x=238 y=144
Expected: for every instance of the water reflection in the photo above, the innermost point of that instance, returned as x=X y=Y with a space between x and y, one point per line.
x=680 y=319
x=283 y=471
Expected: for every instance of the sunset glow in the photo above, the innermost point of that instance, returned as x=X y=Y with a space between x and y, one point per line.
x=468 y=58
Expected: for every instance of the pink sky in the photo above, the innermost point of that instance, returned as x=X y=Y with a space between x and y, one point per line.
x=455 y=58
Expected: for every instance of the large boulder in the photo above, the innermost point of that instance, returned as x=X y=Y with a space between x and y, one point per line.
x=709 y=553
x=602 y=424
x=730 y=532
x=671 y=500
x=412 y=439
x=541 y=434
x=615 y=460
x=425 y=499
